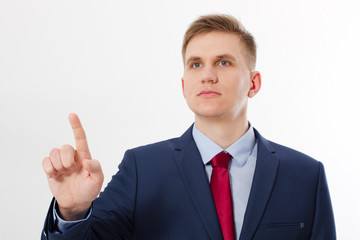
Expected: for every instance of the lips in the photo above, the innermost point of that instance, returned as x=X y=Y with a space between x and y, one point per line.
x=208 y=93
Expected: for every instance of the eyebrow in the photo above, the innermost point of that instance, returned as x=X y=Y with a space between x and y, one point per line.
x=221 y=56
x=191 y=59
x=226 y=56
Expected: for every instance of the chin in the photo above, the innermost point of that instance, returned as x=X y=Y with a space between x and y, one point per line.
x=208 y=110
x=209 y=113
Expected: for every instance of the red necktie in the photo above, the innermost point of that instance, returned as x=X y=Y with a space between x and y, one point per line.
x=220 y=188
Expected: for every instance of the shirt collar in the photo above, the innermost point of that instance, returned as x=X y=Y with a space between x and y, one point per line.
x=239 y=150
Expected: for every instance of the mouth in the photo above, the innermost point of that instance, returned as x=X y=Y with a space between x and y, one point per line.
x=208 y=93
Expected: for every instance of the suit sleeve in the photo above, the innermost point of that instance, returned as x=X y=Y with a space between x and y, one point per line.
x=112 y=212
x=323 y=225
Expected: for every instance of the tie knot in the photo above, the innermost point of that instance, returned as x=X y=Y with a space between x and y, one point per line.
x=221 y=160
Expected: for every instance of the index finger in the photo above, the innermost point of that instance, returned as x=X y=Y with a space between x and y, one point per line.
x=80 y=138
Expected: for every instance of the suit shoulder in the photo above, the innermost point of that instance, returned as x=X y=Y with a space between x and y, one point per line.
x=164 y=145
x=284 y=153
x=293 y=156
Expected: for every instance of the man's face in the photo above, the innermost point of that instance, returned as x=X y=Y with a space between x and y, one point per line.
x=217 y=81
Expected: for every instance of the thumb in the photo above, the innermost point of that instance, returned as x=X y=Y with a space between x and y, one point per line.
x=94 y=168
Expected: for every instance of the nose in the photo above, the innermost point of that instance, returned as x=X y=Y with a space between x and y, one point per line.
x=209 y=76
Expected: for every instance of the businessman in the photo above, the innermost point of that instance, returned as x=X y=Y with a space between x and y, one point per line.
x=220 y=180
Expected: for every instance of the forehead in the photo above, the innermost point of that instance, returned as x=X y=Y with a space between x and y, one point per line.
x=214 y=44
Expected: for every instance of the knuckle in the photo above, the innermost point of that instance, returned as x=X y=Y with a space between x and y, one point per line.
x=67 y=156
x=54 y=150
x=69 y=163
x=45 y=161
x=57 y=164
x=66 y=148
x=48 y=168
x=53 y=153
x=50 y=172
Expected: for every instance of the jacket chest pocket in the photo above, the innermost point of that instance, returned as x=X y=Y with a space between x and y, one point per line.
x=294 y=230
x=285 y=225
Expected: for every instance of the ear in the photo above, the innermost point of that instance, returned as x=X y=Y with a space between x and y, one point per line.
x=182 y=84
x=255 y=84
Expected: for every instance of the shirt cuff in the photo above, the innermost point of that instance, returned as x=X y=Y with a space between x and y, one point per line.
x=61 y=225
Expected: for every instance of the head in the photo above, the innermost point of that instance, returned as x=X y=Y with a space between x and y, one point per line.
x=219 y=57
x=222 y=23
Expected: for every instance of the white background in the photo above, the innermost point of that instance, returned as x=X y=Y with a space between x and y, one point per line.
x=118 y=65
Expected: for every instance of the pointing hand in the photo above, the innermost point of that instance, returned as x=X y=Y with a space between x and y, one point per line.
x=75 y=179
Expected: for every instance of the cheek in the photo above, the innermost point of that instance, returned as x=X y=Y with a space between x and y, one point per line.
x=188 y=84
x=241 y=83
x=234 y=83
x=186 y=88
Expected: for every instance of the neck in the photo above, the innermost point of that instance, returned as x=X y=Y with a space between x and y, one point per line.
x=223 y=133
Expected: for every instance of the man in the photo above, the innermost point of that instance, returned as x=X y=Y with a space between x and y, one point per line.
x=258 y=189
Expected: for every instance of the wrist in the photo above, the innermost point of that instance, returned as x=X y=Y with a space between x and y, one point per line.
x=73 y=214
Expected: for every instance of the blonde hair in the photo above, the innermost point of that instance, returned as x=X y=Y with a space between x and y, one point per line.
x=222 y=23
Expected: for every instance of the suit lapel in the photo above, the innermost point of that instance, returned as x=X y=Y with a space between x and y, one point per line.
x=263 y=181
x=192 y=170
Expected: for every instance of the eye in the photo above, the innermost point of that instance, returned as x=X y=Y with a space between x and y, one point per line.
x=224 y=63
x=196 y=65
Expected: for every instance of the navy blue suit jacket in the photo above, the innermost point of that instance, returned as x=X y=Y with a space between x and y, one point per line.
x=161 y=192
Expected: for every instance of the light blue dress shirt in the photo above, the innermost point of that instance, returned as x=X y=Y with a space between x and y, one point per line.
x=241 y=172
x=241 y=168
